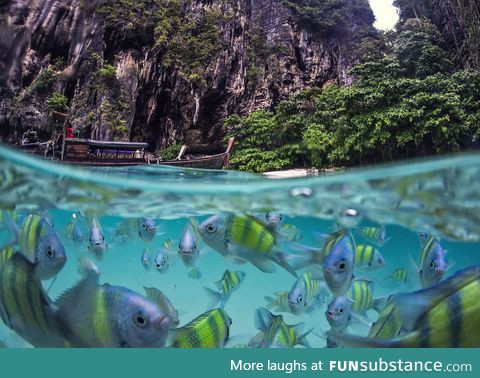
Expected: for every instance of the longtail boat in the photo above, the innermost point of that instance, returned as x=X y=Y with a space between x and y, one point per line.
x=89 y=152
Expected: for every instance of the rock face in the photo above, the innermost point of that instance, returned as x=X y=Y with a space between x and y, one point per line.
x=459 y=23
x=162 y=71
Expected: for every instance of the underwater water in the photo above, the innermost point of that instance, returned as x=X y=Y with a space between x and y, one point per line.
x=440 y=197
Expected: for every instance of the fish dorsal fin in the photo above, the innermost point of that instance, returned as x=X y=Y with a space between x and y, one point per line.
x=297 y=328
x=414 y=306
x=158 y=297
x=263 y=319
x=76 y=305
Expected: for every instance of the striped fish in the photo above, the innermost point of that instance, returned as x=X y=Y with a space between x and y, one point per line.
x=368 y=258
x=446 y=315
x=109 y=316
x=376 y=235
x=338 y=258
x=74 y=232
x=143 y=228
x=5 y=254
x=388 y=325
x=278 y=334
x=279 y=303
x=39 y=242
x=229 y=282
x=96 y=239
x=432 y=265
x=339 y=313
x=245 y=238
x=289 y=336
x=399 y=275
x=306 y=294
x=24 y=305
x=209 y=330
x=361 y=294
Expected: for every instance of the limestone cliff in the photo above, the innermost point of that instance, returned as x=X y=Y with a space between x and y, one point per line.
x=164 y=71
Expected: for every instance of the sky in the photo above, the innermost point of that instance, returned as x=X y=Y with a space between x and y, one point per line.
x=385 y=13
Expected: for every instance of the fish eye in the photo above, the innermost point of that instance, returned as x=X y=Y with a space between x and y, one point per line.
x=432 y=264
x=144 y=225
x=267 y=215
x=300 y=299
x=380 y=260
x=140 y=319
x=211 y=228
x=341 y=267
x=50 y=253
x=340 y=310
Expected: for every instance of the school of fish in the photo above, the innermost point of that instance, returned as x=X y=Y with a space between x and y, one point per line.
x=331 y=280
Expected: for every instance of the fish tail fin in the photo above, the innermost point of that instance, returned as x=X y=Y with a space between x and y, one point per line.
x=263 y=319
x=353 y=341
x=302 y=339
x=311 y=255
x=285 y=260
x=214 y=296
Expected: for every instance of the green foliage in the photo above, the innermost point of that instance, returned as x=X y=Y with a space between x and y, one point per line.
x=45 y=80
x=190 y=44
x=171 y=152
x=107 y=72
x=130 y=17
x=330 y=17
x=403 y=105
x=111 y=117
x=58 y=102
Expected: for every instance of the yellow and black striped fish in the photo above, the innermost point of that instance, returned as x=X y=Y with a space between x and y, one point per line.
x=389 y=324
x=39 y=242
x=446 y=315
x=5 y=254
x=289 y=336
x=368 y=258
x=107 y=316
x=361 y=293
x=399 y=275
x=306 y=294
x=209 y=330
x=24 y=305
x=376 y=235
x=279 y=303
x=276 y=333
x=229 y=282
x=244 y=237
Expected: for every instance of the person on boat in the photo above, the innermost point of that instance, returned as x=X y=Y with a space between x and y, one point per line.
x=69 y=132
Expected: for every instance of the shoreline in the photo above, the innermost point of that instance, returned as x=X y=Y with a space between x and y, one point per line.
x=301 y=172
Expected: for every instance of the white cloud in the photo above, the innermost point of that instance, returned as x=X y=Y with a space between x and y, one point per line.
x=385 y=13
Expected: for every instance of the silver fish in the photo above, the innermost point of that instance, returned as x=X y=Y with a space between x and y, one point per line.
x=146 y=258
x=188 y=246
x=97 y=245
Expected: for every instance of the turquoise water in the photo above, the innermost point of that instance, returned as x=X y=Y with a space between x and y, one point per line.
x=440 y=197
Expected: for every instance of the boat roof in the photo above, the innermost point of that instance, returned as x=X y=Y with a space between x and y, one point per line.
x=106 y=144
